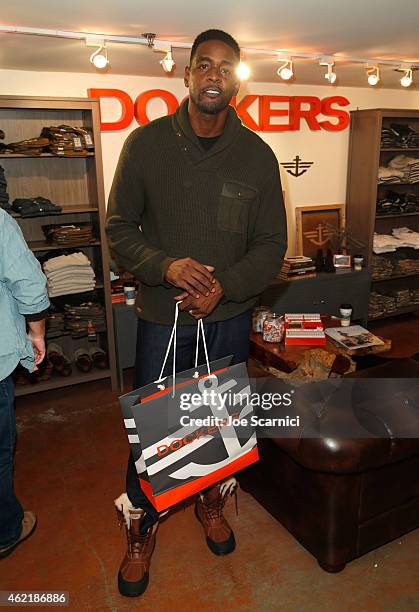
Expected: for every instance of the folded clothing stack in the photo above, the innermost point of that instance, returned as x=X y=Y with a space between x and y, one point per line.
x=399 y=135
x=381 y=267
x=400 y=169
x=401 y=296
x=401 y=237
x=408 y=165
x=54 y=325
x=35 y=207
x=414 y=296
x=68 y=274
x=30 y=146
x=68 y=141
x=407 y=237
x=381 y=304
x=389 y=138
x=384 y=243
x=4 y=196
x=394 y=202
x=69 y=235
x=407 y=266
x=86 y=319
x=390 y=175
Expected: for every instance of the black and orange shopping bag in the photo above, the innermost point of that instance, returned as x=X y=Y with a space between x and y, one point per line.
x=191 y=429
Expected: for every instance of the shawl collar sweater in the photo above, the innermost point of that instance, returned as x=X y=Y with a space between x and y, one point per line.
x=224 y=207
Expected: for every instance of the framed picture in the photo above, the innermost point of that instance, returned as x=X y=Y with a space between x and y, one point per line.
x=342 y=261
x=319 y=226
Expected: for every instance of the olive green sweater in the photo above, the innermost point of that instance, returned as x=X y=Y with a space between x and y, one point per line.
x=224 y=207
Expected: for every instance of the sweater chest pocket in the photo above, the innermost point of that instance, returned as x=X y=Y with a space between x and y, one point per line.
x=234 y=205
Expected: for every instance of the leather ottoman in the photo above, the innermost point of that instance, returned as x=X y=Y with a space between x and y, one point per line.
x=342 y=497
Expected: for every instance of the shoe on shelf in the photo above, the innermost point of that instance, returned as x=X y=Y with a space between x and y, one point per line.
x=99 y=357
x=83 y=360
x=28 y=527
x=133 y=575
x=59 y=361
x=209 y=512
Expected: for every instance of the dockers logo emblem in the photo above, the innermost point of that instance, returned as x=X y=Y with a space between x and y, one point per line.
x=297 y=167
x=166 y=452
x=259 y=113
x=319 y=236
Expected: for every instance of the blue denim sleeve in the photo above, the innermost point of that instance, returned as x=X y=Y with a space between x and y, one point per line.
x=21 y=271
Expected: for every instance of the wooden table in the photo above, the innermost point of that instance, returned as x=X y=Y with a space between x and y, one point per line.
x=272 y=356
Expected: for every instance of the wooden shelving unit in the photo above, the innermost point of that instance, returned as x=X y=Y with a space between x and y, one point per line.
x=363 y=190
x=75 y=184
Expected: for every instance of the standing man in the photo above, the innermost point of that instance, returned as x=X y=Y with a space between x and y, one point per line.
x=196 y=214
x=23 y=299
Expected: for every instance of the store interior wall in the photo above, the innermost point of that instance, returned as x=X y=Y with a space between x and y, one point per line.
x=323 y=183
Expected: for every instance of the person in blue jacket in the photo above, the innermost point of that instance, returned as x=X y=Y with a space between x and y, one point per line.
x=23 y=308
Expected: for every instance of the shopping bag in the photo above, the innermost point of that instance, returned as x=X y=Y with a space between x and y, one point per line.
x=189 y=430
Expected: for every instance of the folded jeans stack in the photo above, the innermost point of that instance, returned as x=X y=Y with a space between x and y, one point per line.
x=390 y=138
x=399 y=135
x=4 y=196
x=69 y=235
x=54 y=325
x=381 y=267
x=87 y=319
x=407 y=266
x=401 y=297
x=414 y=296
x=68 y=141
x=408 y=135
x=67 y=274
x=35 y=207
x=381 y=304
x=396 y=203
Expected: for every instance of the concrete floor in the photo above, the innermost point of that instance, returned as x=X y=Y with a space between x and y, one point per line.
x=70 y=463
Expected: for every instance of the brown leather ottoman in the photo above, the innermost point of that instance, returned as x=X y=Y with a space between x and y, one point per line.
x=342 y=497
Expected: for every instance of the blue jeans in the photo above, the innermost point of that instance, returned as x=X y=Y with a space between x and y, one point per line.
x=223 y=338
x=11 y=513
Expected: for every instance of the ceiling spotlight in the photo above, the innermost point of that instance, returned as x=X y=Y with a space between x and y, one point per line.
x=330 y=75
x=407 y=79
x=243 y=71
x=168 y=63
x=99 y=58
x=373 y=75
x=286 y=70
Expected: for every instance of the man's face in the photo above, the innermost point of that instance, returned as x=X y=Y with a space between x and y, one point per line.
x=211 y=77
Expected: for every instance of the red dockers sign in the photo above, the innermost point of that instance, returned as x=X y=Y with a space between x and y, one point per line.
x=319 y=114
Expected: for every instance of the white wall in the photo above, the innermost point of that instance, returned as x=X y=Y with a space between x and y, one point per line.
x=324 y=183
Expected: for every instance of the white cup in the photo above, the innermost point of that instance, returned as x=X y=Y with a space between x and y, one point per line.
x=129 y=293
x=345 y=311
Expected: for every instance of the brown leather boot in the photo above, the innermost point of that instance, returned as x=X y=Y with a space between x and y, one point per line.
x=209 y=512
x=133 y=573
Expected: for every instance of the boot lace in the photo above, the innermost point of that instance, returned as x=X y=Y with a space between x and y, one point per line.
x=214 y=508
x=137 y=543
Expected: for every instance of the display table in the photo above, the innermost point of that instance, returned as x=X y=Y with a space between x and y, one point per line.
x=331 y=357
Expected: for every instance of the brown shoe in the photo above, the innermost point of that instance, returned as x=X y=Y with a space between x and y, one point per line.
x=133 y=573
x=28 y=527
x=209 y=512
